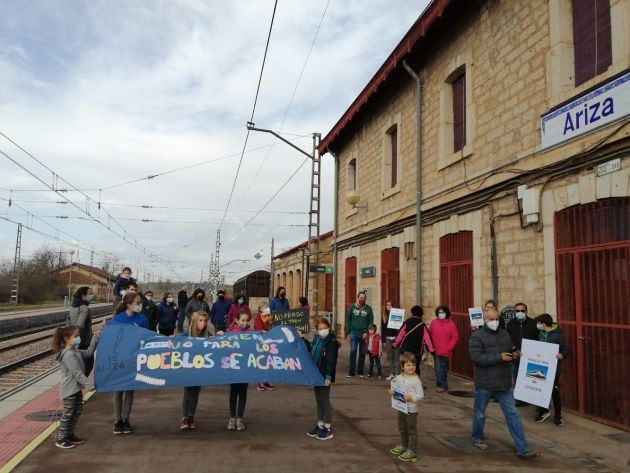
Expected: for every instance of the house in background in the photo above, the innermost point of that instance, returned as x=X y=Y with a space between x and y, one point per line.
x=76 y=275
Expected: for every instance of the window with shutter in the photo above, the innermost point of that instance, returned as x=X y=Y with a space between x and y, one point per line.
x=393 y=138
x=459 y=113
x=592 y=46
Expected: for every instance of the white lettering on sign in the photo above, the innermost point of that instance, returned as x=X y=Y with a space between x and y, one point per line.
x=608 y=167
x=607 y=103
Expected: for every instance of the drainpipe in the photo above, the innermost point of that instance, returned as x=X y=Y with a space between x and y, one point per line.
x=418 y=181
x=335 y=233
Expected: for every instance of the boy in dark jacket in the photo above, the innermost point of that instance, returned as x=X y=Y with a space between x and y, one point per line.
x=123 y=280
x=552 y=333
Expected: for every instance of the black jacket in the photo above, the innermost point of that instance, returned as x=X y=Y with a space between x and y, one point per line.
x=522 y=330
x=149 y=309
x=414 y=337
x=327 y=363
x=485 y=348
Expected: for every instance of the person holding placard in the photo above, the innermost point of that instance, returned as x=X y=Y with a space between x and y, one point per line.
x=445 y=337
x=552 y=333
x=389 y=335
x=492 y=351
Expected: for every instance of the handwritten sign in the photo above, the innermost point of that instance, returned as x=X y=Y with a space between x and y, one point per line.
x=132 y=358
x=536 y=373
x=398 y=397
x=396 y=318
x=298 y=318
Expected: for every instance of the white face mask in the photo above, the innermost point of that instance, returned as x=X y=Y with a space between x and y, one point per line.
x=540 y=327
x=266 y=311
x=149 y=298
x=169 y=300
x=323 y=332
x=493 y=325
x=136 y=308
x=442 y=315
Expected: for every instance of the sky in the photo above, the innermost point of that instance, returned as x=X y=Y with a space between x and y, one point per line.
x=100 y=95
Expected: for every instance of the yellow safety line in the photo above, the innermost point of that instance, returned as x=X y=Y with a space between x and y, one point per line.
x=33 y=444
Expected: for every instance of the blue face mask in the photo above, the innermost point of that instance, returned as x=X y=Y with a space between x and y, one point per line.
x=76 y=341
x=521 y=316
x=91 y=298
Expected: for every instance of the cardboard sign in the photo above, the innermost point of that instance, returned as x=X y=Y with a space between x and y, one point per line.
x=398 y=398
x=131 y=358
x=298 y=318
x=476 y=316
x=536 y=373
x=396 y=318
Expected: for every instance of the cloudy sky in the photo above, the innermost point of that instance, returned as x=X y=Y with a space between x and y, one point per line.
x=106 y=92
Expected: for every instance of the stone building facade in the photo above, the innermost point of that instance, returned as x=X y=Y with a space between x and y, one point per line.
x=523 y=197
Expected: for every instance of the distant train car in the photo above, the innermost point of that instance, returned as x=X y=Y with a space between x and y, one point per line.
x=255 y=284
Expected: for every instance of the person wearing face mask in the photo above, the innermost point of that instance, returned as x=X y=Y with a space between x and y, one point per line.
x=167 y=314
x=491 y=351
x=324 y=350
x=520 y=327
x=445 y=337
x=280 y=302
x=80 y=316
x=182 y=301
x=197 y=303
x=358 y=318
x=240 y=303
x=263 y=323
x=128 y=312
x=550 y=332
x=220 y=311
x=149 y=310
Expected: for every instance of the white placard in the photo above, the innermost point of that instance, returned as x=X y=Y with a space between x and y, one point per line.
x=396 y=318
x=536 y=373
x=398 y=398
x=476 y=316
x=606 y=104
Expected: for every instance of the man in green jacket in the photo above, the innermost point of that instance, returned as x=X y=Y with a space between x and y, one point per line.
x=358 y=319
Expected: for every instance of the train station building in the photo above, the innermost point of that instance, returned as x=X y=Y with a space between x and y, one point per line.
x=513 y=184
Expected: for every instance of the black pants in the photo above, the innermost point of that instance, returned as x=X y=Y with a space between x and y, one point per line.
x=189 y=403
x=555 y=398
x=167 y=331
x=72 y=409
x=238 y=398
x=88 y=362
x=374 y=360
x=322 y=400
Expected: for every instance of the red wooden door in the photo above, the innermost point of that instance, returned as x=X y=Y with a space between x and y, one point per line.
x=456 y=292
x=390 y=277
x=593 y=283
x=351 y=282
x=328 y=293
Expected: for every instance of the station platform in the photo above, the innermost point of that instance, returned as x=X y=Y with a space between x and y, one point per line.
x=17 y=314
x=275 y=438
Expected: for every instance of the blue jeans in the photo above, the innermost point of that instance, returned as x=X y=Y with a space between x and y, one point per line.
x=356 y=341
x=440 y=363
x=512 y=419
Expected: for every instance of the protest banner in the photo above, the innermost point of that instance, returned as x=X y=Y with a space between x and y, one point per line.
x=396 y=318
x=536 y=373
x=398 y=398
x=132 y=358
x=476 y=316
x=298 y=318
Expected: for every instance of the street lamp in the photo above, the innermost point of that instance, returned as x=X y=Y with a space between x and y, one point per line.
x=71 y=252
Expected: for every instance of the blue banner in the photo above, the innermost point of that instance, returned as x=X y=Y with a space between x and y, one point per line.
x=132 y=358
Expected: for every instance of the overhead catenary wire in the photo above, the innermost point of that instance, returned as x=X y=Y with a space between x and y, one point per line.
x=262 y=69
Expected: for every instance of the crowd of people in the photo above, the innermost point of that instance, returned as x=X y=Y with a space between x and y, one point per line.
x=494 y=349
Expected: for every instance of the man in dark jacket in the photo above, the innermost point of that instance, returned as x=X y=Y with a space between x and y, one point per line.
x=220 y=310
x=491 y=351
x=358 y=319
x=520 y=327
x=149 y=309
x=552 y=333
x=182 y=301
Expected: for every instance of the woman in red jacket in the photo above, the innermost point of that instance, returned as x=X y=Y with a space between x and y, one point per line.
x=445 y=337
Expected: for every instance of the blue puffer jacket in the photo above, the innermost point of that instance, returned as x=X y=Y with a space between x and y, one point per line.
x=167 y=315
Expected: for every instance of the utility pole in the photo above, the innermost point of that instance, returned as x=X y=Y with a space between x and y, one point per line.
x=271 y=271
x=314 y=213
x=215 y=273
x=15 y=286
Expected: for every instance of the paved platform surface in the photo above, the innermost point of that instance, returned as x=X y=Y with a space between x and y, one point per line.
x=364 y=427
x=16 y=314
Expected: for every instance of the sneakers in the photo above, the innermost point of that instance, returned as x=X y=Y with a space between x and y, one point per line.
x=64 y=443
x=349 y=375
x=232 y=424
x=408 y=456
x=390 y=377
x=269 y=386
x=314 y=432
x=127 y=427
x=558 y=421
x=528 y=454
x=440 y=390
x=325 y=434
x=380 y=378
x=260 y=387
x=362 y=376
x=481 y=445
x=74 y=440
x=368 y=376
x=240 y=425
x=399 y=450
x=118 y=428
x=191 y=422
x=542 y=417
x=183 y=425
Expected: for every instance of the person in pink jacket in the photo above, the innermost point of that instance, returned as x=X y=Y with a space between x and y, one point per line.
x=445 y=337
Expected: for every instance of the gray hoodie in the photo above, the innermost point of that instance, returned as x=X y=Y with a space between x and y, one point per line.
x=72 y=368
